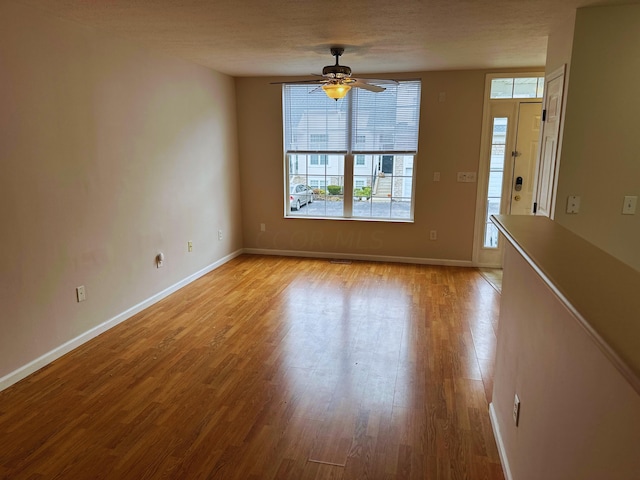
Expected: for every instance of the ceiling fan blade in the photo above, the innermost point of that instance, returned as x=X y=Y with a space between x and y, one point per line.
x=367 y=86
x=378 y=81
x=297 y=82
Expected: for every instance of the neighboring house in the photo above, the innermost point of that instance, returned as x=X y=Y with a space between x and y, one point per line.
x=384 y=174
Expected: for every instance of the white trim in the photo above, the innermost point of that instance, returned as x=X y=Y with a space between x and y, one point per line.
x=488 y=109
x=66 y=347
x=501 y=450
x=38 y=363
x=356 y=256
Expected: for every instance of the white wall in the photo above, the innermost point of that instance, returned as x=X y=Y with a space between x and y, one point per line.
x=600 y=159
x=110 y=153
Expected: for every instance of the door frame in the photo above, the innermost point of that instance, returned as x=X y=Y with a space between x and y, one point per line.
x=507 y=107
x=552 y=187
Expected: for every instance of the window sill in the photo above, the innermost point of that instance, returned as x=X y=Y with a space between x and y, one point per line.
x=353 y=219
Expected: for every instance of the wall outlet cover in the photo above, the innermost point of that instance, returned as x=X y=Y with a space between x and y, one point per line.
x=573 y=204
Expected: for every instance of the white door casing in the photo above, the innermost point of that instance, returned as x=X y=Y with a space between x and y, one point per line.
x=504 y=109
x=546 y=176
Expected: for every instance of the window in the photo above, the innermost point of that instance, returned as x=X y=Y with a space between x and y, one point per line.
x=376 y=132
x=524 y=87
x=319 y=159
x=496 y=172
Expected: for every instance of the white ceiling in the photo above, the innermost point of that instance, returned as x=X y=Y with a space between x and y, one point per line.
x=292 y=37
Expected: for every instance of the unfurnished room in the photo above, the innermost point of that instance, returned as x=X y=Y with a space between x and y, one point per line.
x=313 y=240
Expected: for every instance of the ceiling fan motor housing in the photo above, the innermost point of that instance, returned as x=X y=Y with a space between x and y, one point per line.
x=336 y=71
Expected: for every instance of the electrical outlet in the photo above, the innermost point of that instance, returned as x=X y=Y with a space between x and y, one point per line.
x=436 y=176
x=189 y=246
x=219 y=234
x=433 y=235
x=81 y=294
x=516 y=409
x=263 y=227
x=573 y=204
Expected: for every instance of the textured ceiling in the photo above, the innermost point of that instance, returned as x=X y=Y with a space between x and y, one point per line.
x=292 y=37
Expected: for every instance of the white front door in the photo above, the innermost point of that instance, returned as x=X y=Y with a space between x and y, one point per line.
x=511 y=139
x=524 y=158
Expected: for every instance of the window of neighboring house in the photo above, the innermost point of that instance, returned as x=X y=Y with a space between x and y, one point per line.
x=319 y=159
x=379 y=131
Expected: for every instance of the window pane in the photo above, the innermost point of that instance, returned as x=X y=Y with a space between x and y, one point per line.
x=525 y=87
x=387 y=190
x=491 y=236
x=313 y=121
x=499 y=133
x=386 y=121
x=497 y=157
x=380 y=207
x=540 y=93
x=401 y=209
x=502 y=88
x=316 y=200
x=493 y=207
x=495 y=184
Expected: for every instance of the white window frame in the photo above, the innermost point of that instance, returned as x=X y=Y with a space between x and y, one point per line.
x=354 y=150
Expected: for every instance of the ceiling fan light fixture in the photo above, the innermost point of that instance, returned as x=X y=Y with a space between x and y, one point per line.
x=336 y=90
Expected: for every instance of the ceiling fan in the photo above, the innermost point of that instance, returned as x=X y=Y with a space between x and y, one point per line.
x=337 y=80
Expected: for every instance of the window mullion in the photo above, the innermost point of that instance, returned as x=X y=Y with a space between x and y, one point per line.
x=348 y=161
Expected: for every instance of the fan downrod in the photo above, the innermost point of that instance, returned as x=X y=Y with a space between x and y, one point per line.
x=336 y=71
x=336 y=52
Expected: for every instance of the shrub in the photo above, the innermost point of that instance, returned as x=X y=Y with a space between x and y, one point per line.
x=362 y=192
x=318 y=191
x=334 y=189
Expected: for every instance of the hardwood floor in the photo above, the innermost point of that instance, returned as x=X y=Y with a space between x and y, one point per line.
x=273 y=367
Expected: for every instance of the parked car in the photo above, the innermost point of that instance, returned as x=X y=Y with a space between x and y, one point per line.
x=299 y=195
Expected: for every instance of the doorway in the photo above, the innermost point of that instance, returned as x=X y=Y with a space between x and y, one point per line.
x=509 y=150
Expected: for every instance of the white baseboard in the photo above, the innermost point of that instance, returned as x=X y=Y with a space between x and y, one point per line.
x=57 y=352
x=498 y=437
x=356 y=256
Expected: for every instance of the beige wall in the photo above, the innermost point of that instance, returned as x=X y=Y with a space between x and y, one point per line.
x=449 y=142
x=560 y=43
x=109 y=154
x=601 y=146
x=579 y=417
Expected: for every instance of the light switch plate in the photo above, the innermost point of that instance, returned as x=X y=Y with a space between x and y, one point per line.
x=466 y=177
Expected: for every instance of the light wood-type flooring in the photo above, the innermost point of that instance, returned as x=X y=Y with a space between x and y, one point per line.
x=273 y=367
